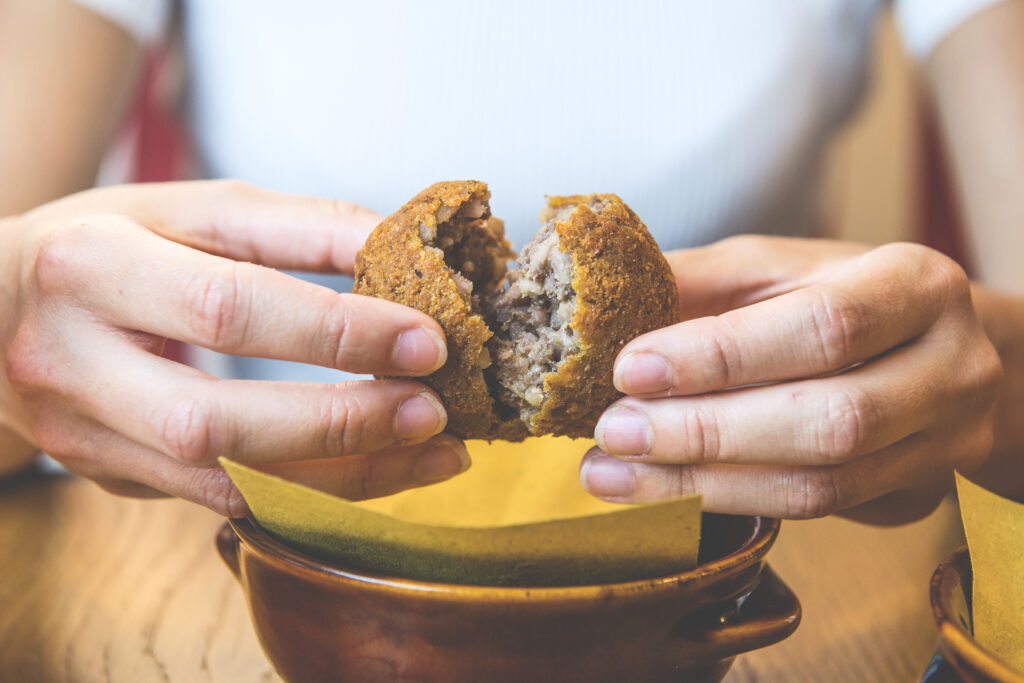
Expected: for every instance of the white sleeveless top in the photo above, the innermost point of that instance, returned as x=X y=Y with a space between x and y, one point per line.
x=707 y=118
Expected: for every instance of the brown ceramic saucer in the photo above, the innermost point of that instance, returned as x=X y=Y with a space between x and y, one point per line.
x=318 y=622
x=951 y=605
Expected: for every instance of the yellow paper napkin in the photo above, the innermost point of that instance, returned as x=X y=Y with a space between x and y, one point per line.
x=517 y=517
x=995 y=538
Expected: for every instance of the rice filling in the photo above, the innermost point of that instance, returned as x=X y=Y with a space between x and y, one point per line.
x=530 y=312
x=472 y=243
x=531 y=317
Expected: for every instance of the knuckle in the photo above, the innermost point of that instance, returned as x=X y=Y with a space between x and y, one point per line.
x=345 y=424
x=724 y=353
x=334 y=340
x=232 y=187
x=981 y=450
x=338 y=209
x=940 y=274
x=217 y=312
x=908 y=252
x=212 y=488
x=187 y=431
x=682 y=481
x=703 y=435
x=348 y=212
x=26 y=365
x=751 y=244
x=850 y=422
x=948 y=278
x=989 y=373
x=978 y=378
x=811 y=493
x=61 y=257
x=840 y=326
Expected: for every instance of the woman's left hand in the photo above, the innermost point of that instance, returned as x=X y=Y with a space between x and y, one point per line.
x=809 y=377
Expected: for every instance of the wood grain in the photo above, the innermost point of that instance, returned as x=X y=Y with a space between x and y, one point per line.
x=99 y=588
x=864 y=592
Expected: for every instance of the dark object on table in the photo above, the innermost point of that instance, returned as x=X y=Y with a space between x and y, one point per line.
x=322 y=623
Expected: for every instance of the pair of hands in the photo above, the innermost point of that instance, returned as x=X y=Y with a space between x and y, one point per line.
x=810 y=376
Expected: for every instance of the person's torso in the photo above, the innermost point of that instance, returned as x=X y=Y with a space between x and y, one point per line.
x=707 y=118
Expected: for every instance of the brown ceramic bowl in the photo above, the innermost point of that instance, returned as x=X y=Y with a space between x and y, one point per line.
x=318 y=622
x=951 y=605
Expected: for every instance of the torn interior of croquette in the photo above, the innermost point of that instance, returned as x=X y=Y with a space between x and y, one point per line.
x=531 y=317
x=473 y=245
x=530 y=313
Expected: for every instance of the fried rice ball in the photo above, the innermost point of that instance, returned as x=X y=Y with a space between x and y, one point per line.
x=531 y=349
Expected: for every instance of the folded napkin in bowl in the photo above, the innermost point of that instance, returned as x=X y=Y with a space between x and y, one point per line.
x=518 y=517
x=995 y=540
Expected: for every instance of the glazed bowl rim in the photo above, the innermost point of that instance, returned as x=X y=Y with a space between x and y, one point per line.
x=750 y=552
x=953 y=635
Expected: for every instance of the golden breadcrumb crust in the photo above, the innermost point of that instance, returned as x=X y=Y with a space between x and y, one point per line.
x=394 y=264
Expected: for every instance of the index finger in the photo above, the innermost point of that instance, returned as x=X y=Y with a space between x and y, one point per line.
x=139 y=281
x=238 y=220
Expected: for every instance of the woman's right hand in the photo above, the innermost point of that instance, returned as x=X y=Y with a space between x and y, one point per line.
x=92 y=285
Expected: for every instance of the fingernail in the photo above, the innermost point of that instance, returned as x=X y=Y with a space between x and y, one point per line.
x=418 y=350
x=418 y=417
x=607 y=477
x=624 y=431
x=642 y=373
x=441 y=462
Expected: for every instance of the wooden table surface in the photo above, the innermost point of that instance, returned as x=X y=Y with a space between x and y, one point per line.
x=99 y=588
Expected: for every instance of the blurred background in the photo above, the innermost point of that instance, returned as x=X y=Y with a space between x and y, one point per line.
x=886 y=177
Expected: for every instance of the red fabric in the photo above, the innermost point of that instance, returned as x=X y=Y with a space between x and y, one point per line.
x=159 y=145
x=941 y=222
x=159 y=149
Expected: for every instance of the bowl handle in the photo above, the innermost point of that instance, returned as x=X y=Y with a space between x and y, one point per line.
x=769 y=613
x=227 y=546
